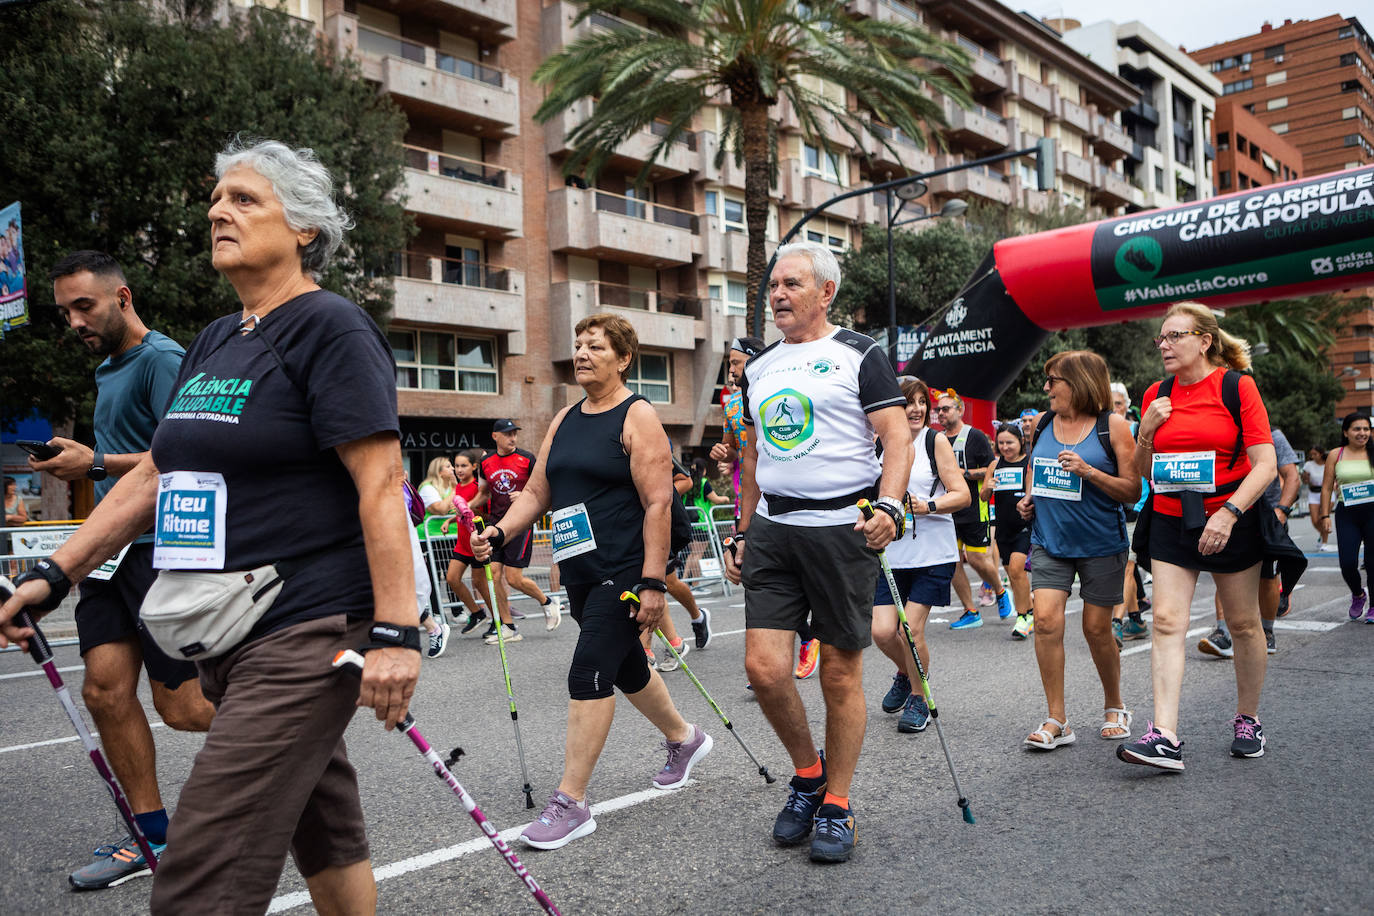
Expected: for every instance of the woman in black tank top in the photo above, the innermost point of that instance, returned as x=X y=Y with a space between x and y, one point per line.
x=1005 y=486
x=605 y=471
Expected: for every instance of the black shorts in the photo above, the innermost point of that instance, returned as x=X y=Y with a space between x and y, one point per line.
x=608 y=652
x=1014 y=543
x=1169 y=543
x=791 y=571
x=972 y=535
x=108 y=612
x=516 y=551
x=677 y=563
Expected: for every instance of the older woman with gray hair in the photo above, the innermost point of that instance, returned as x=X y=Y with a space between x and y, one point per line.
x=283 y=412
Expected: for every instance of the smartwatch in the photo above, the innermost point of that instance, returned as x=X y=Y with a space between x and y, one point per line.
x=97 y=470
x=930 y=506
x=389 y=635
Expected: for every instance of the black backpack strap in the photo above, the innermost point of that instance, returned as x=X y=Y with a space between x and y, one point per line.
x=1046 y=419
x=1230 y=396
x=930 y=456
x=1104 y=435
x=1166 y=387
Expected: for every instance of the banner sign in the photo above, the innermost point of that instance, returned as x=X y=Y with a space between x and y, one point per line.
x=14 y=308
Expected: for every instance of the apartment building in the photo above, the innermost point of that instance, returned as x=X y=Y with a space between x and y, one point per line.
x=1249 y=154
x=1172 y=154
x=1312 y=83
x=510 y=255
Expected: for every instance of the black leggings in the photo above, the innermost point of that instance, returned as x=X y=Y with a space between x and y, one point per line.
x=1354 y=525
x=608 y=653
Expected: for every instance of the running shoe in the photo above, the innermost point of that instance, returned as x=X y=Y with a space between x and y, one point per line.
x=438 y=640
x=834 y=839
x=1025 y=626
x=563 y=821
x=1004 y=608
x=670 y=663
x=508 y=632
x=1269 y=642
x=970 y=621
x=1369 y=616
x=1218 y=643
x=1143 y=604
x=1249 y=740
x=985 y=595
x=798 y=816
x=896 y=695
x=113 y=864
x=682 y=756
x=1357 y=605
x=915 y=717
x=1153 y=750
x=473 y=621
x=807 y=657
x=1132 y=628
x=553 y=613
x=1327 y=548
x=1116 y=633
x=1283 y=604
x=649 y=657
x=517 y=614
x=701 y=629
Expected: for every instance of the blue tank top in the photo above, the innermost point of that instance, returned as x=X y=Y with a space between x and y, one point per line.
x=1094 y=526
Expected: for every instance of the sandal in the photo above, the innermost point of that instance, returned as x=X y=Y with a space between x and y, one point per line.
x=1124 y=723
x=1050 y=742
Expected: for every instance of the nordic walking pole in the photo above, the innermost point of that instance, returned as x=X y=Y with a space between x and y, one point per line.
x=352 y=662
x=632 y=595
x=42 y=654
x=867 y=511
x=480 y=526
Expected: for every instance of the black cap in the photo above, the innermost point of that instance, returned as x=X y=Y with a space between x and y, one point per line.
x=749 y=346
x=504 y=425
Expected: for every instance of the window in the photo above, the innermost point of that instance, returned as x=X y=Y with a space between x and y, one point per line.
x=1348 y=60
x=1350 y=85
x=1280 y=128
x=444 y=362
x=1273 y=51
x=1224 y=180
x=463 y=265
x=734 y=215
x=1279 y=77
x=1226 y=63
x=1159 y=178
x=650 y=378
x=1244 y=180
x=826 y=165
x=1241 y=144
x=713 y=202
x=1346 y=32
x=1348 y=113
x=1360 y=357
x=1224 y=140
x=1280 y=102
x=1238 y=86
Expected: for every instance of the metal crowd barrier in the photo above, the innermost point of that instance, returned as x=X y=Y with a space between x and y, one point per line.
x=22 y=547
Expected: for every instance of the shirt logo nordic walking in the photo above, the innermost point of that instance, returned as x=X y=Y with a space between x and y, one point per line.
x=788 y=419
x=1139 y=260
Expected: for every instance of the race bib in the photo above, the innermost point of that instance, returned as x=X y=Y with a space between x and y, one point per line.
x=1051 y=481
x=1355 y=494
x=572 y=533
x=105 y=571
x=1008 y=479
x=190 y=532
x=1171 y=472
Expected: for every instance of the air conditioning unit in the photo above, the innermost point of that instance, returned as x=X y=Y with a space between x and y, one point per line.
x=1244 y=68
x=1278 y=58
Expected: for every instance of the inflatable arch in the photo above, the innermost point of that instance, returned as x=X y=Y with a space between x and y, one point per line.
x=1280 y=241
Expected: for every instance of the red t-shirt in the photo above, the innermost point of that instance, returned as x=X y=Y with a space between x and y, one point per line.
x=1200 y=422
x=468 y=491
x=504 y=474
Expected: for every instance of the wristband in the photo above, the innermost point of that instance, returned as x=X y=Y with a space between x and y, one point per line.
x=58 y=583
x=1287 y=512
x=1232 y=506
x=654 y=585
x=389 y=635
x=893 y=509
x=497 y=539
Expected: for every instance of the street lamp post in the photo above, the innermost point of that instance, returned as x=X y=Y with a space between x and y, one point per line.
x=906 y=193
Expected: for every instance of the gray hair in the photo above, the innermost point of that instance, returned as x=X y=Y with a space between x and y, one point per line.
x=1119 y=388
x=824 y=267
x=302 y=185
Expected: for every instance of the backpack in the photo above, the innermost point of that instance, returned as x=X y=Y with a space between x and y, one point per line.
x=413 y=503
x=930 y=456
x=1104 y=431
x=680 y=523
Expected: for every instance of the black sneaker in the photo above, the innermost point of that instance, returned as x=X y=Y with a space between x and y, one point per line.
x=1249 y=737
x=473 y=621
x=701 y=629
x=1269 y=642
x=1218 y=643
x=1153 y=750
x=1283 y=604
x=490 y=634
x=896 y=695
x=798 y=816
x=834 y=839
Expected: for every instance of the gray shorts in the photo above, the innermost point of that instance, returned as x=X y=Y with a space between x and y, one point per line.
x=1100 y=579
x=792 y=571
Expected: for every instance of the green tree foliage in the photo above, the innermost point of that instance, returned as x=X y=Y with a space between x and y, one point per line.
x=930 y=268
x=1300 y=394
x=750 y=55
x=113 y=118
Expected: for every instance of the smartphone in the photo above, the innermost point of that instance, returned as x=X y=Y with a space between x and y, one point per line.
x=40 y=450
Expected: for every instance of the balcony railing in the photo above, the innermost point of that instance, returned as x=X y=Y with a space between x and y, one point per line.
x=988 y=113
x=895 y=134
x=647 y=300
x=383 y=44
x=437 y=163
x=416 y=266
x=902 y=9
x=977 y=50
x=609 y=202
x=660 y=129
x=612 y=22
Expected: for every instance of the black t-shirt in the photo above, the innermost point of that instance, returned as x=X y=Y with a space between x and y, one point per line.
x=272 y=434
x=977 y=455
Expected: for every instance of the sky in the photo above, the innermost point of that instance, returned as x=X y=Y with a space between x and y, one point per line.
x=1196 y=23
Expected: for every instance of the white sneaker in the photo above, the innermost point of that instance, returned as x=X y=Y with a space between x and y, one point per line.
x=671 y=662
x=553 y=613
x=439 y=641
x=1327 y=548
x=510 y=633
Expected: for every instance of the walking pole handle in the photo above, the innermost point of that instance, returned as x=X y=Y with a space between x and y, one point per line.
x=479 y=526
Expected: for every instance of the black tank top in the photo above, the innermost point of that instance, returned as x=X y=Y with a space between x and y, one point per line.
x=1009 y=521
x=588 y=467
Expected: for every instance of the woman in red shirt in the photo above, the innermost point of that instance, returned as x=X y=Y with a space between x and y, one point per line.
x=1206 y=476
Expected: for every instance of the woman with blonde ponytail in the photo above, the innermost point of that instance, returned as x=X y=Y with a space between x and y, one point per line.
x=1206 y=475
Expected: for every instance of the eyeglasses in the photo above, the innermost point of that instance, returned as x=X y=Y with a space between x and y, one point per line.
x=1056 y=378
x=945 y=408
x=1174 y=337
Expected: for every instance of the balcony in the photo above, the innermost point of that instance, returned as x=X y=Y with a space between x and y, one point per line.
x=1208 y=150
x=806 y=190
x=988 y=71
x=463 y=194
x=492 y=19
x=464 y=294
x=1073 y=114
x=886 y=11
x=1036 y=95
x=728 y=174
x=661 y=320
x=978 y=127
x=1145 y=112
x=679 y=159
x=910 y=157
x=1110 y=139
x=601 y=224
x=430 y=79
x=559 y=28
x=1114 y=190
x=982 y=183
x=1077 y=168
x=722 y=250
x=829 y=126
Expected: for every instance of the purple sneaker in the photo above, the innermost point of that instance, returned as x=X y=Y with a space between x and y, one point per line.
x=563 y=821
x=682 y=756
x=1357 y=605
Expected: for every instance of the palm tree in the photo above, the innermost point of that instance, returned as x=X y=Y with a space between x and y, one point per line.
x=746 y=55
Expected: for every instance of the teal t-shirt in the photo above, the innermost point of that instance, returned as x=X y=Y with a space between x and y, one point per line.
x=133 y=390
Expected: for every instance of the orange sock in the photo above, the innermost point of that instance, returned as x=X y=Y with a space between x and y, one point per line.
x=676 y=644
x=815 y=771
x=836 y=800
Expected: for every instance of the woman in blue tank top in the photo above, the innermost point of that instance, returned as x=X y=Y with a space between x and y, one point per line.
x=1078 y=529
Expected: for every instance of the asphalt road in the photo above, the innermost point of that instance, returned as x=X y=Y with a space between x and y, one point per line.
x=1072 y=830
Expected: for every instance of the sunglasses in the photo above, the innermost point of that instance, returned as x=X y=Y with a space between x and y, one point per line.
x=1174 y=337
x=1056 y=378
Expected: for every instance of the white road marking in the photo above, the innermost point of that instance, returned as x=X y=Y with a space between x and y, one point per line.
x=435 y=857
x=40 y=671
x=33 y=744
x=1311 y=626
x=1198 y=631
